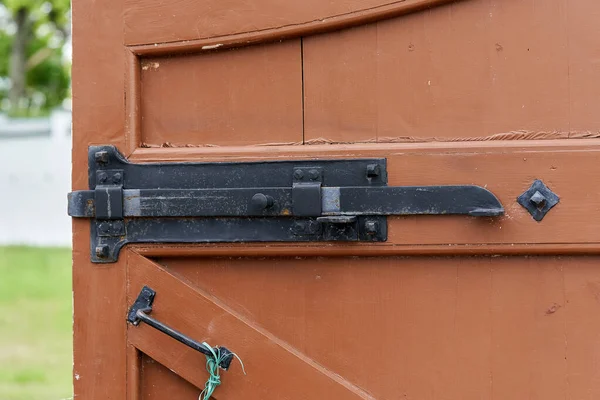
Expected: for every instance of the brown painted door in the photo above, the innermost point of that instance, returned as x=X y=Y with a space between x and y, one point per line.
x=496 y=93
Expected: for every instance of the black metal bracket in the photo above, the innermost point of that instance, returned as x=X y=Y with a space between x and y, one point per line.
x=139 y=313
x=280 y=201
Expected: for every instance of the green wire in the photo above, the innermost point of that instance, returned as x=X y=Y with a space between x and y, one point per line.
x=212 y=366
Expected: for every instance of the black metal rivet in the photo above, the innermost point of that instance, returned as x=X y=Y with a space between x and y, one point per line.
x=117 y=177
x=373 y=170
x=101 y=157
x=102 y=251
x=102 y=177
x=298 y=228
x=262 y=201
x=298 y=174
x=104 y=227
x=313 y=227
x=371 y=227
x=538 y=199
x=118 y=226
x=313 y=174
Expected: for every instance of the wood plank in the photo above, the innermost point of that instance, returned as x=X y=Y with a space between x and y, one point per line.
x=582 y=327
x=153 y=21
x=159 y=383
x=584 y=66
x=507 y=171
x=456 y=72
x=205 y=319
x=233 y=97
x=527 y=331
x=99 y=341
x=427 y=328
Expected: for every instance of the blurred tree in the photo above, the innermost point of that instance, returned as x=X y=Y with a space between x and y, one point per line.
x=31 y=55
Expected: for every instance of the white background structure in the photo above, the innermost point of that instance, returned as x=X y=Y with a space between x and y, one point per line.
x=35 y=177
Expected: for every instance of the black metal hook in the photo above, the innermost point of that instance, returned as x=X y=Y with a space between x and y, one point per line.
x=139 y=313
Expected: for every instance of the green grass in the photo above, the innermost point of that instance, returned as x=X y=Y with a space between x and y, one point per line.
x=35 y=323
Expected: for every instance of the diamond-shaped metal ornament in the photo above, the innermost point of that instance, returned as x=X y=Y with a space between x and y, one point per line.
x=538 y=200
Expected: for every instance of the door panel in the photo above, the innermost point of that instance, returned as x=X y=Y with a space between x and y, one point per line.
x=199 y=315
x=154 y=21
x=427 y=328
x=235 y=97
x=456 y=73
x=416 y=317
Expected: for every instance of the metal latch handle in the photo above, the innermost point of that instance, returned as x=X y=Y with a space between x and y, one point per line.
x=139 y=313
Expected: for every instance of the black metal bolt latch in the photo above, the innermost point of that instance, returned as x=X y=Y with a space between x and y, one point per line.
x=281 y=201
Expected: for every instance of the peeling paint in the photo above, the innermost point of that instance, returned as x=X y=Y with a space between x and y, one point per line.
x=212 y=46
x=513 y=135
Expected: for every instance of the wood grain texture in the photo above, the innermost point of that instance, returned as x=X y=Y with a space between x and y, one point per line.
x=99 y=359
x=426 y=328
x=473 y=69
x=206 y=320
x=160 y=383
x=231 y=97
x=153 y=21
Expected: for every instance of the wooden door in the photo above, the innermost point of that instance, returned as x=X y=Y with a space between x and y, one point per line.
x=496 y=93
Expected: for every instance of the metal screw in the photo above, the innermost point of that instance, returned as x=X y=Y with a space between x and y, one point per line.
x=371 y=227
x=101 y=157
x=538 y=199
x=373 y=170
x=102 y=177
x=102 y=251
x=313 y=174
x=117 y=177
x=298 y=174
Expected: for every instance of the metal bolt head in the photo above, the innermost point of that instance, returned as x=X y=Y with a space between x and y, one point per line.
x=313 y=174
x=538 y=199
x=313 y=227
x=102 y=251
x=262 y=201
x=118 y=226
x=104 y=227
x=117 y=177
x=101 y=157
x=371 y=227
x=373 y=170
x=298 y=228
x=102 y=177
x=298 y=174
